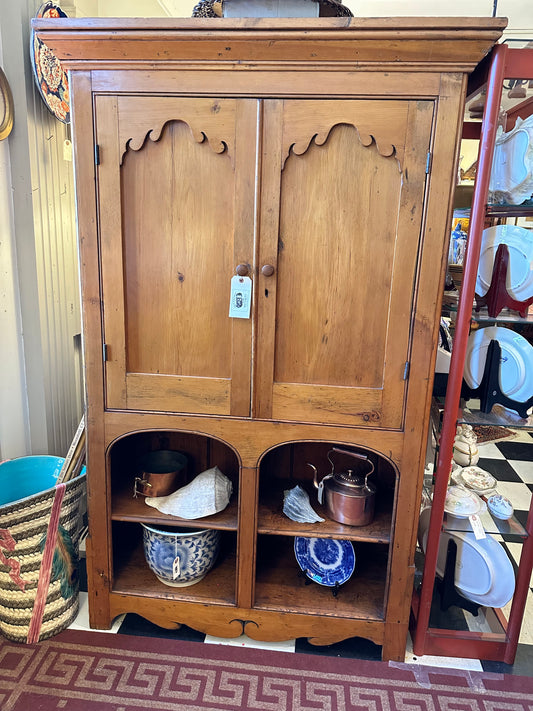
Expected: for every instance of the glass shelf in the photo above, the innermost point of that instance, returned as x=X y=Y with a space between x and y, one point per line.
x=470 y=414
x=510 y=210
x=499 y=416
x=506 y=316
x=492 y=525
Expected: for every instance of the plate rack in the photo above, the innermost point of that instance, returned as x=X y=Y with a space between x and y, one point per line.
x=500 y=644
x=489 y=390
x=497 y=297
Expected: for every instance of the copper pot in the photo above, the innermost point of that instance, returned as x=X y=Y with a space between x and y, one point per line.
x=161 y=473
x=348 y=496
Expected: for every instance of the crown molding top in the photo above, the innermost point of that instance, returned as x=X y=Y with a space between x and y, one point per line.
x=421 y=43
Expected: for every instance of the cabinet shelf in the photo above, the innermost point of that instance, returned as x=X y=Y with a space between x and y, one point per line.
x=127 y=508
x=132 y=576
x=272 y=520
x=281 y=585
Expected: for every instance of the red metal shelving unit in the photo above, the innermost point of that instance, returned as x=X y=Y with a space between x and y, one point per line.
x=503 y=63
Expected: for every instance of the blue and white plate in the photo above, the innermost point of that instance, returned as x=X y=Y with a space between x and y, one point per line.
x=325 y=560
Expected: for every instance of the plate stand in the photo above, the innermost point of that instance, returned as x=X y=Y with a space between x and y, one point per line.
x=489 y=391
x=446 y=587
x=307 y=580
x=497 y=296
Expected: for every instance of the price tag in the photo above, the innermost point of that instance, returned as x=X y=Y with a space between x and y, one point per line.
x=477 y=527
x=176 y=568
x=241 y=297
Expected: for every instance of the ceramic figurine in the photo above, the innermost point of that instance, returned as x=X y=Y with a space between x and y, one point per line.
x=465 y=450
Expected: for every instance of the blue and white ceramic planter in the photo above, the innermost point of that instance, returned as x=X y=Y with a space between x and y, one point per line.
x=180 y=557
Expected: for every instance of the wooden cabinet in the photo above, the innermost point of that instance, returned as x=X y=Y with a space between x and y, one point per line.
x=316 y=159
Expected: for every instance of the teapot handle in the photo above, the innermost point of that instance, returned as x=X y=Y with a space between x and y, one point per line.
x=351 y=454
x=345 y=451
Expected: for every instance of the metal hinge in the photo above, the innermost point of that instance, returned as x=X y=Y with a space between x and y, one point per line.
x=428 y=162
x=104 y=351
x=96 y=154
x=406 y=370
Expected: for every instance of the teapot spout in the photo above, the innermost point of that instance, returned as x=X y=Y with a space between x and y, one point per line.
x=315 y=476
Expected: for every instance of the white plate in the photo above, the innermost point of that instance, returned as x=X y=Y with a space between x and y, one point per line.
x=516 y=368
x=503 y=585
x=519 y=241
x=486 y=559
x=511 y=178
x=475 y=478
x=474 y=570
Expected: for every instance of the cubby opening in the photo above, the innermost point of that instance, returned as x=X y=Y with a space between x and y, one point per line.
x=281 y=585
x=202 y=452
x=286 y=466
x=280 y=582
x=133 y=576
x=131 y=573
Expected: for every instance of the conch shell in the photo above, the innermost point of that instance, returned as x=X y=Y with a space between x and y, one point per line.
x=207 y=494
x=297 y=507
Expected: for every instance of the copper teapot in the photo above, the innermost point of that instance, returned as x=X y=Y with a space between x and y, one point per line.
x=348 y=496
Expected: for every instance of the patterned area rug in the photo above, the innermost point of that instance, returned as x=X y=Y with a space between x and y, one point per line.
x=491 y=433
x=91 y=671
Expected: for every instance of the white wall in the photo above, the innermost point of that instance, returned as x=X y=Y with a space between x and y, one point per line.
x=13 y=403
x=40 y=393
x=519 y=12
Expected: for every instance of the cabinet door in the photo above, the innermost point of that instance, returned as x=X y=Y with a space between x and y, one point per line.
x=174 y=223
x=342 y=204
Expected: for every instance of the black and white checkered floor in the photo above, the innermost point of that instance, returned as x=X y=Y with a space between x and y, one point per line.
x=509 y=460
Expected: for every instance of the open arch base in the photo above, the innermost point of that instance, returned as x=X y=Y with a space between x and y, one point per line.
x=256 y=586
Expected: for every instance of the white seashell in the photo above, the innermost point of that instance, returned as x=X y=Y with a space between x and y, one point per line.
x=297 y=507
x=207 y=494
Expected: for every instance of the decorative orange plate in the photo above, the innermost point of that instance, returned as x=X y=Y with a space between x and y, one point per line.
x=51 y=79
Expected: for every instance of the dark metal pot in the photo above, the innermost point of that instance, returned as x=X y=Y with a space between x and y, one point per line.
x=348 y=496
x=161 y=473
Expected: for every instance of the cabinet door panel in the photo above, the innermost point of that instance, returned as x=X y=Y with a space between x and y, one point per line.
x=351 y=186
x=177 y=176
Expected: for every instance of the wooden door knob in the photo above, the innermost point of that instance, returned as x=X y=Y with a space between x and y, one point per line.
x=242 y=270
x=267 y=270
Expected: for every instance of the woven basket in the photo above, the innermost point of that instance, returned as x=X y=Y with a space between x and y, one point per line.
x=24 y=529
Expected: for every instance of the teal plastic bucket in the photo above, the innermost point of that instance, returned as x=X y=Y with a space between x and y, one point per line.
x=26 y=476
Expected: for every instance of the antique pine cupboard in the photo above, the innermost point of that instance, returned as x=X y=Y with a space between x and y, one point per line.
x=316 y=158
